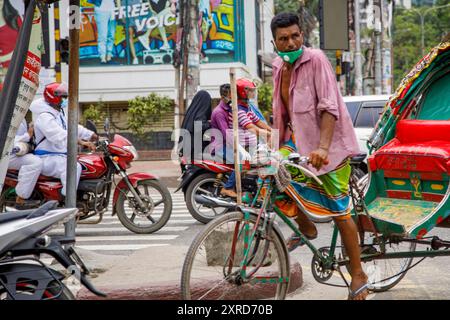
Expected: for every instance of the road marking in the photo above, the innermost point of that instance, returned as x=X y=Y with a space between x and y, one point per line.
x=172 y=218
x=119 y=247
x=121 y=229
x=127 y=238
x=117 y=222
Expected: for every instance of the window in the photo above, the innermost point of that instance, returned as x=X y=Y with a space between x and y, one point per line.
x=353 y=108
x=369 y=114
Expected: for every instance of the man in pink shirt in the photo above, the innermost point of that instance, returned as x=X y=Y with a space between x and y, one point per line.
x=312 y=118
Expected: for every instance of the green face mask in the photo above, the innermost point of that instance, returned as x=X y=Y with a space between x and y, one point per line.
x=291 y=56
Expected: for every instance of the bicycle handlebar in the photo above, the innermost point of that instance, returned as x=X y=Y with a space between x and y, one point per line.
x=307 y=172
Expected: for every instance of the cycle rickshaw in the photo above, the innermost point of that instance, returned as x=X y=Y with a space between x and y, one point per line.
x=243 y=254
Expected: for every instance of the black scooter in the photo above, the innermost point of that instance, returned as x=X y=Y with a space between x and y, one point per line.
x=23 y=275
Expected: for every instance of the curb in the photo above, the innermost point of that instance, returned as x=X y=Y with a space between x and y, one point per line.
x=169 y=290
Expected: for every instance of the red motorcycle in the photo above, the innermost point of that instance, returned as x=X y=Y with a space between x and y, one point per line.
x=141 y=202
x=206 y=178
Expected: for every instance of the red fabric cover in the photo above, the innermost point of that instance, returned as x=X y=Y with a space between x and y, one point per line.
x=419 y=146
x=412 y=131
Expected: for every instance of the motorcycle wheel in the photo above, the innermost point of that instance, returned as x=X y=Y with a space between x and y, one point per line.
x=154 y=195
x=202 y=185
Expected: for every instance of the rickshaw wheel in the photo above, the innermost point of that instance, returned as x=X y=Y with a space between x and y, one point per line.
x=384 y=274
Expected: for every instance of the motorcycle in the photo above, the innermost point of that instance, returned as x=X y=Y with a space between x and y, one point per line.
x=148 y=199
x=206 y=178
x=23 y=239
x=201 y=182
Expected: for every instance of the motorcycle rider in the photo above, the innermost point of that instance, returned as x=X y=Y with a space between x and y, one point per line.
x=250 y=127
x=29 y=167
x=51 y=133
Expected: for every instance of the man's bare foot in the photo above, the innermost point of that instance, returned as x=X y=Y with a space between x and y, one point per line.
x=228 y=193
x=358 y=287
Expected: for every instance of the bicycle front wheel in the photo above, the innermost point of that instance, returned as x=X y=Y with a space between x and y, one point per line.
x=217 y=266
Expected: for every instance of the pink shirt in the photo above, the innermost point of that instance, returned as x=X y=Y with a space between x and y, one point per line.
x=313 y=90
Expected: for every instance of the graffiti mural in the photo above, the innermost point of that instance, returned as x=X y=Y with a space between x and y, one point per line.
x=136 y=32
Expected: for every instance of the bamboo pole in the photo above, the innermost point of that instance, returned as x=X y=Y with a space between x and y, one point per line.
x=237 y=166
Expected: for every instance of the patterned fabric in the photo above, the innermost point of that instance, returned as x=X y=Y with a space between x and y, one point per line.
x=330 y=199
x=245 y=118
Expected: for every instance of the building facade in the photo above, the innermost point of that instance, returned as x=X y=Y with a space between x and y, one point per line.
x=126 y=51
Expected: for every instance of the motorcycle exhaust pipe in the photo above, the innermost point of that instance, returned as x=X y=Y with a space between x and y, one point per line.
x=212 y=202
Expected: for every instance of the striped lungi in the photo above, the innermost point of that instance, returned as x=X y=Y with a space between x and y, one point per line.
x=330 y=199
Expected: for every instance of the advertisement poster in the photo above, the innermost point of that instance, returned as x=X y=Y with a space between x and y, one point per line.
x=11 y=18
x=29 y=79
x=143 y=32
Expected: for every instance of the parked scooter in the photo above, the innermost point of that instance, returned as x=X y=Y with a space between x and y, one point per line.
x=138 y=195
x=23 y=275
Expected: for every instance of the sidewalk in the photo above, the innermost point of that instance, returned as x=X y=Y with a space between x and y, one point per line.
x=147 y=274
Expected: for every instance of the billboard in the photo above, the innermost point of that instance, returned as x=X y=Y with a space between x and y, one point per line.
x=11 y=19
x=143 y=32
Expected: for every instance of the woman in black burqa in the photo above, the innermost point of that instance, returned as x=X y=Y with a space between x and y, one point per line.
x=200 y=111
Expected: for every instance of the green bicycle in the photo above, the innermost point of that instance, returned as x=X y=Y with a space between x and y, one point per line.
x=242 y=255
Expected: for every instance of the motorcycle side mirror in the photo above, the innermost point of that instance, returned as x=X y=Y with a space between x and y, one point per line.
x=90 y=125
x=107 y=126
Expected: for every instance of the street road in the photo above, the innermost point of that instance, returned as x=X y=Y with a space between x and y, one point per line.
x=429 y=280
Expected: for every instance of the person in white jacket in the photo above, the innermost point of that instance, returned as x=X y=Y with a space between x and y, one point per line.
x=29 y=167
x=51 y=133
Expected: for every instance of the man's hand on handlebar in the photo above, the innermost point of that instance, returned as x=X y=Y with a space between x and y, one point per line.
x=88 y=144
x=94 y=137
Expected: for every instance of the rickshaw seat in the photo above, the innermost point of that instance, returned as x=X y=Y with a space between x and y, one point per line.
x=418 y=146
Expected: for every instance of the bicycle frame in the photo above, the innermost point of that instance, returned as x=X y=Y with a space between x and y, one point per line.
x=329 y=261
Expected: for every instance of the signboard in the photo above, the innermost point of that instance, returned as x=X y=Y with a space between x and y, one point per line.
x=22 y=80
x=143 y=32
x=11 y=19
x=334 y=25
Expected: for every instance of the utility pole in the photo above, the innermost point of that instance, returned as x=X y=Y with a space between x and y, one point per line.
x=72 y=133
x=378 y=71
x=177 y=62
x=193 y=68
x=358 y=64
x=57 y=42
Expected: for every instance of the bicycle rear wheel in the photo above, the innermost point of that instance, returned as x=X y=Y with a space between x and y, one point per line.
x=212 y=268
x=384 y=274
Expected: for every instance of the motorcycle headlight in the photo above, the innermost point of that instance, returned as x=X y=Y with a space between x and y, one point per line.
x=133 y=151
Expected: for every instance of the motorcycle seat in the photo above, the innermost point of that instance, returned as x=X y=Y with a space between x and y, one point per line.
x=14 y=215
x=14 y=174
x=27 y=214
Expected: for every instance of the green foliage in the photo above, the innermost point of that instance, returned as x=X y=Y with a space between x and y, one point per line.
x=265 y=96
x=407 y=36
x=95 y=112
x=143 y=111
x=286 y=6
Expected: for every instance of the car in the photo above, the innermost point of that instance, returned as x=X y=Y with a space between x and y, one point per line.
x=365 y=112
